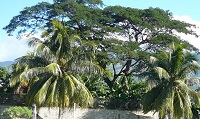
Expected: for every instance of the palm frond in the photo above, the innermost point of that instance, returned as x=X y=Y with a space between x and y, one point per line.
x=81 y=95
x=188 y=97
x=178 y=106
x=162 y=73
x=51 y=99
x=193 y=95
x=150 y=98
x=36 y=91
x=40 y=96
x=33 y=41
x=188 y=69
x=177 y=60
x=43 y=51
x=17 y=75
x=152 y=60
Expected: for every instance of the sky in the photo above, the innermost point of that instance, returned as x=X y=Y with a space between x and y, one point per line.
x=12 y=48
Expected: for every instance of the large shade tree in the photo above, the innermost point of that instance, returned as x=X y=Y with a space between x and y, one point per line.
x=123 y=37
x=52 y=69
x=146 y=30
x=170 y=95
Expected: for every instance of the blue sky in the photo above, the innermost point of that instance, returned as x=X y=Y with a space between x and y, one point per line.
x=10 y=48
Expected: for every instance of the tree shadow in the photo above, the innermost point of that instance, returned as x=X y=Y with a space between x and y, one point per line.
x=98 y=113
x=112 y=114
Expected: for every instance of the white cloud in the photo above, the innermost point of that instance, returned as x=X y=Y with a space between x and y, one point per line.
x=195 y=41
x=11 y=48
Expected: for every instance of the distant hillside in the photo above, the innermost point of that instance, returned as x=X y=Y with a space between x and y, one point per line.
x=6 y=64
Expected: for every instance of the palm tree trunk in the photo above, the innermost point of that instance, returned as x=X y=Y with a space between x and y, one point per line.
x=17 y=90
x=169 y=115
x=60 y=112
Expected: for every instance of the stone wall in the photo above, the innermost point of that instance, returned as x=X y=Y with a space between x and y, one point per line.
x=78 y=113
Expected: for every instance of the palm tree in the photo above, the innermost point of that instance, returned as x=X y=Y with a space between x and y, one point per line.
x=53 y=67
x=170 y=96
x=23 y=64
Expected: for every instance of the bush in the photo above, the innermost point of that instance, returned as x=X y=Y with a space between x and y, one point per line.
x=17 y=112
x=126 y=94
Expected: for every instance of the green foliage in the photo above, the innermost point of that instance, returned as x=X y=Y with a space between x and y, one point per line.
x=102 y=30
x=170 y=95
x=86 y=18
x=195 y=111
x=53 y=79
x=120 y=97
x=17 y=112
x=127 y=94
x=145 y=30
x=90 y=3
x=4 y=81
x=96 y=86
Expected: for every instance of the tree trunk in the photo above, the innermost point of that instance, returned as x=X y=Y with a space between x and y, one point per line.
x=34 y=111
x=17 y=90
x=169 y=115
x=108 y=82
x=60 y=112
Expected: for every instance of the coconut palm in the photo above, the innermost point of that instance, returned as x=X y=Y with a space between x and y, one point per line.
x=170 y=96
x=23 y=64
x=53 y=67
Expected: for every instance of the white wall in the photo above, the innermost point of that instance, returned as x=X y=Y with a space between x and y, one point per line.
x=79 y=113
x=52 y=113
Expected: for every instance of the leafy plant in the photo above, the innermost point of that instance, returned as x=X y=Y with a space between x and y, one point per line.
x=96 y=85
x=98 y=88
x=127 y=93
x=17 y=112
x=4 y=81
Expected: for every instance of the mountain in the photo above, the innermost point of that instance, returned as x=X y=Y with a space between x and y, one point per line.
x=6 y=64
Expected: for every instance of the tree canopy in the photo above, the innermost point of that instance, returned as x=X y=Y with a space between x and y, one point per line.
x=149 y=29
x=115 y=38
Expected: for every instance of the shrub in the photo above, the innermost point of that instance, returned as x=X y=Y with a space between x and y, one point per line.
x=17 y=112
